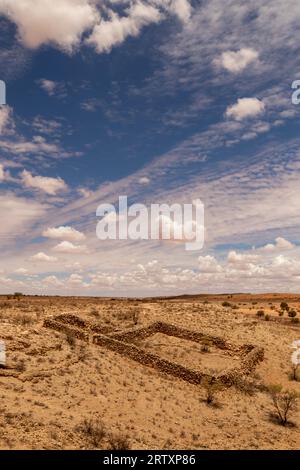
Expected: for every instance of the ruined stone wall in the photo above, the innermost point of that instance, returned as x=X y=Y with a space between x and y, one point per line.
x=73 y=320
x=122 y=344
x=68 y=330
x=151 y=360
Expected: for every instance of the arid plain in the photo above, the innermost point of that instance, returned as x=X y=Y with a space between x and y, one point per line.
x=164 y=373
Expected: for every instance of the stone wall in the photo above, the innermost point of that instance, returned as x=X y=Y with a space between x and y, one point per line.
x=121 y=343
x=68 y=330
x=150 y=360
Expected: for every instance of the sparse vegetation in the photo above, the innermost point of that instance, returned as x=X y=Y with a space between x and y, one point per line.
x=284 y=402
x=93 y=431
x=212 y=388
x=260 y=313
x=284 y=306
x=292 y=313
x=119 y=442
x=53 y=380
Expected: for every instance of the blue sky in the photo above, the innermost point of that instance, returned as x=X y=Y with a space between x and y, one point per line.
x=164 y=101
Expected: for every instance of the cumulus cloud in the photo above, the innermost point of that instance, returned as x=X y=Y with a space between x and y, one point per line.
x=69 y=247
x=41 y=22
x=245 y=108
x=49 y=185
x=52 y=281
x=209 y=264
x=114 y=31
x=279 y=245
x=63 y=24
x=237 y=61
x=65 y=233
x=41 y=256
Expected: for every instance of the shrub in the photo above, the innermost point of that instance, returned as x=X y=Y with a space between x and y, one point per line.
x=292 y=313
x=260 y=313
x=295 y=320
x=71 y=340
x=93 y=431
x=94 y=312
x=281 y=313
x=205 y=348
x=211 y=389
x=23 y=319
x=284 y=306
x=21 y=366
x=17 y=295
x=226 y=304
x=119 y=443
x=284 y=402
x=267 y=317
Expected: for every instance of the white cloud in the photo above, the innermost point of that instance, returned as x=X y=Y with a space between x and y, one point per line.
x=84 y=192
x=21 y=271
x=112 y=32
x=48 y=86
x=237 y=258
x=53 y=281
x=6 y=120
x=18 y=214
x=144 y=180
x=65 y=233
x=182 y=8
x=245 y=108
x=41 y=256
x=61 y=23
x=237 y=61
x=2 y=174
x=209 y=264
x=68 y=247
x=49 y=185
x=280 y=244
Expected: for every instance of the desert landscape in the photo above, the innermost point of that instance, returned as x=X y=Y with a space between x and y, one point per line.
x=190 y=372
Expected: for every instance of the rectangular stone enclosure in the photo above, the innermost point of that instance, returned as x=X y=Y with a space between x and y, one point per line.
x=233 y=361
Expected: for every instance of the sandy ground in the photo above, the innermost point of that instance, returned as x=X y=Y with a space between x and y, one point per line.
x=53 y=386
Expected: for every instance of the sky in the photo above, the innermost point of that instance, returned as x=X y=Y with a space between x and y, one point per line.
x=165 y=101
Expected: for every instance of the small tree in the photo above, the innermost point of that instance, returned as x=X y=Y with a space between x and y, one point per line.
x=284 y=401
